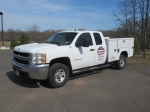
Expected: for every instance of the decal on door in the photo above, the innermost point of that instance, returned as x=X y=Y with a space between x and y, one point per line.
x=100 y=53
x=77 y=59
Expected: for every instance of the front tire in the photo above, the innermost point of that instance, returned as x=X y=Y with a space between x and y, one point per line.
x=121 y=63
x=58 y=75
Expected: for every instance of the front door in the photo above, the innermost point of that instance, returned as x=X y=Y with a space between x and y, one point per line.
x=83 y=56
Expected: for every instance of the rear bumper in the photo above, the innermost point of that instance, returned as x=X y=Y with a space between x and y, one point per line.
x=39 y=72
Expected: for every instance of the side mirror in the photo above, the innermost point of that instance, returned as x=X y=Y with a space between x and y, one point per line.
x=85 y=43
x=77 y=44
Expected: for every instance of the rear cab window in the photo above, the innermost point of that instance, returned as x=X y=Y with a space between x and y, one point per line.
x=98 y=39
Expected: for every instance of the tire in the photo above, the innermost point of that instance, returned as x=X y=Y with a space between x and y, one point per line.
x=121 y=63
x=58 y=75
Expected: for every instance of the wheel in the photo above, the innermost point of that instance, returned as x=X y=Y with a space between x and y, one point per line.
x=58 y=75
x=120 y=64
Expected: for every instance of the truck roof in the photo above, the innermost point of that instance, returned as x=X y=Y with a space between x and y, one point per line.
x=90 y=31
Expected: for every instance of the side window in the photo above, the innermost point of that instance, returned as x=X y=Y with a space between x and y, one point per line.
x=98 y=39
x=83 y=36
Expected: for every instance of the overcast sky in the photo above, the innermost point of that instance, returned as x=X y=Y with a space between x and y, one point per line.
x=58 y=14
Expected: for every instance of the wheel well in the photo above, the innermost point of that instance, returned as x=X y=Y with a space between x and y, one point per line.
x=124 y=53
x=63 y=60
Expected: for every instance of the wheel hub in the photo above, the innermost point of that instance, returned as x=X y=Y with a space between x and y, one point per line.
x=60 y=75
x=122 y=62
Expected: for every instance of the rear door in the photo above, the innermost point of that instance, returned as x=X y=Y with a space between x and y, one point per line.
x=100 y=54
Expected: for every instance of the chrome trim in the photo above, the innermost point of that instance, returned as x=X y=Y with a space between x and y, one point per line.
x=22 y=52
x=23 y=58
x=20 y=64
x=39 y=72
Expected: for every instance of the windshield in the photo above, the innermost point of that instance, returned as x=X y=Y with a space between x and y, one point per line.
x=64 y=38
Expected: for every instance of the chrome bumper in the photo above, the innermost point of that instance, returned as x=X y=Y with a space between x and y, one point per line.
x=34 y=71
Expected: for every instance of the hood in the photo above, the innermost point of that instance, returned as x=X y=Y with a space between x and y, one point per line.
x=33 y=48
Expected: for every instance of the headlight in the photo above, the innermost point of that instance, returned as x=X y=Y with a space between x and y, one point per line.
x=38 y=58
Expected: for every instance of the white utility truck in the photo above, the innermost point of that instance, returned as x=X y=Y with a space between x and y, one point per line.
x=70 y=52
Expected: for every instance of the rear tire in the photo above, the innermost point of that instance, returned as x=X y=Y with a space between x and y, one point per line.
x=58 y=75
x=121 y=63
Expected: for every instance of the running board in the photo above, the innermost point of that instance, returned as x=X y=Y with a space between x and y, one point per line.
x=91 y=68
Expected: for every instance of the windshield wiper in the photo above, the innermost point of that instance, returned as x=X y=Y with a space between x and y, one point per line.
x=46 y=42
x=58 y=43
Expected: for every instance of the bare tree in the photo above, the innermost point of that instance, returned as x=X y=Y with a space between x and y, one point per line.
x=33 y=31
x=132 y=17
x=143 y=6
x=146 y=25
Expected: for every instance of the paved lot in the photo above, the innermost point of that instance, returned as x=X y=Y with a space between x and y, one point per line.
x=108 y=90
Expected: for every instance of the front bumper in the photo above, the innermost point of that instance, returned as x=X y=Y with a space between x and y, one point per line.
x=39 y=72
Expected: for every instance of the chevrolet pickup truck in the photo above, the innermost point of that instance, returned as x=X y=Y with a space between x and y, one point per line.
x=70 y=52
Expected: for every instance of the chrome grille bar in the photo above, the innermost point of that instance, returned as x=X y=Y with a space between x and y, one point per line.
x=22 y=57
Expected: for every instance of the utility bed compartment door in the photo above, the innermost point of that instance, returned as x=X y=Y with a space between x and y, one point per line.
x=123 y=43
x=131 y=47
x=116 y=46
x=112 y=54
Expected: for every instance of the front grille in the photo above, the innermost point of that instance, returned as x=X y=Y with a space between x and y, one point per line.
x=21 y=54
x=22 y=58
x=22 y=61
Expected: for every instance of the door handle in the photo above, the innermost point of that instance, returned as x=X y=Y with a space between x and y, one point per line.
x=92 y=49
x=118 y=50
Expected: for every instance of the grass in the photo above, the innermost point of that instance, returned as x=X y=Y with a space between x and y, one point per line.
x=6 y=43
x=139 y=60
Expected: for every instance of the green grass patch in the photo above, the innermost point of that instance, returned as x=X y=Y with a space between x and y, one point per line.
x=139 y=60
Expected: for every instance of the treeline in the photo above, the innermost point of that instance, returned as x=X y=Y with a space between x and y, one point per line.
x=33 y=33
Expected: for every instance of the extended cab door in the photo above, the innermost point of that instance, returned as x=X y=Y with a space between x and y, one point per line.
x=101 y=51
x=83 y=56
